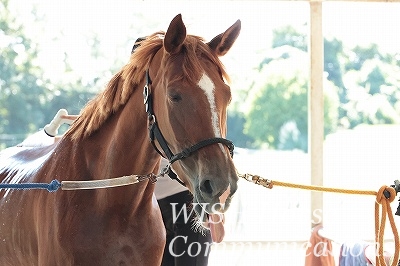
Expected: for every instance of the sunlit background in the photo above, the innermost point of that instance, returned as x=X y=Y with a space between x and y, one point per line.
x=58 y=54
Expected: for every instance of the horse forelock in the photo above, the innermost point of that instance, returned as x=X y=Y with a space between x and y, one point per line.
x=122 y=84
x=193 y=50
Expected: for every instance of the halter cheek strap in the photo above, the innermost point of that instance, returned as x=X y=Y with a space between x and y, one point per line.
x=154 y=130
x=155 y=134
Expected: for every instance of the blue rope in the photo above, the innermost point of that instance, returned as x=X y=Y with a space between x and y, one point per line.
x=51 y=187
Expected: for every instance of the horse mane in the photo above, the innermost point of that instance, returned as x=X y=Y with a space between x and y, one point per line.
x=122 y=84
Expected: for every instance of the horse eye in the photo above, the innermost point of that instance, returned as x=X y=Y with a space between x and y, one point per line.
x=175 y=97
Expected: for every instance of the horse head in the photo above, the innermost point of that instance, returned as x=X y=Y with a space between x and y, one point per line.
x=188 y=111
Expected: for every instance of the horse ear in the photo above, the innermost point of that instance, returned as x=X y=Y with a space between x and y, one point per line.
x=175 y=35
x=223 y=42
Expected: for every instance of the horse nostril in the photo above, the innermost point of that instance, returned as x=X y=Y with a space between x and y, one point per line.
x=206 y=188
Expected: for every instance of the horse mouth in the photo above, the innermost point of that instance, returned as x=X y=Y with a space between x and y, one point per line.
x=212 y=216
x=214 y=223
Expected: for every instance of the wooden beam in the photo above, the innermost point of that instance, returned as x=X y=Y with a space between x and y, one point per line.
x=316 y=108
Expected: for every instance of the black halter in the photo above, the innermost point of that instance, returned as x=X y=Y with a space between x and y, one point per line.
x=155 y=134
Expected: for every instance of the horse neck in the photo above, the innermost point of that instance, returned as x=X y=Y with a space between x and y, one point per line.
x=124 y=140
x=119 y=147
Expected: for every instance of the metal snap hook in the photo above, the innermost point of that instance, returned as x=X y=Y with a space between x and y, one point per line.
x=165 y=171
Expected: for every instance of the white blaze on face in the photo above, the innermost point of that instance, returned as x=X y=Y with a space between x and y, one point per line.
x=206 y=84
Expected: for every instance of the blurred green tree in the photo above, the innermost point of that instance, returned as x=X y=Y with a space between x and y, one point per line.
x=235 y=123
x=361 y=87
x=278 y=114
x=22 y=90
x=288 y=35
x=27 y=100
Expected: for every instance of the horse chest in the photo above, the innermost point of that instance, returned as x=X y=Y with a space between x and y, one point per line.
x=111 y=237
x=133 y=246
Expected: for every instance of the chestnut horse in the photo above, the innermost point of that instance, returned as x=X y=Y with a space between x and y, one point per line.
x=185 y=109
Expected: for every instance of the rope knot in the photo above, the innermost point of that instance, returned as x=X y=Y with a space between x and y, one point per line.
x=54 y=186
x=384 y=197
x=385 y=193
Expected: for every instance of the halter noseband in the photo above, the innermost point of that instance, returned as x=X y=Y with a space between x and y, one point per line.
x=155 y=134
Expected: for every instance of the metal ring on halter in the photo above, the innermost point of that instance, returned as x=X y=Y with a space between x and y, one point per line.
x=152 y=119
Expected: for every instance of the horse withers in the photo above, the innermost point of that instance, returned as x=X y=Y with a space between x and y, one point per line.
x=186 y=104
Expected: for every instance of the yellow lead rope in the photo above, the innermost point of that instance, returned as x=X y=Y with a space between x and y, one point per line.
x=380 y=213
